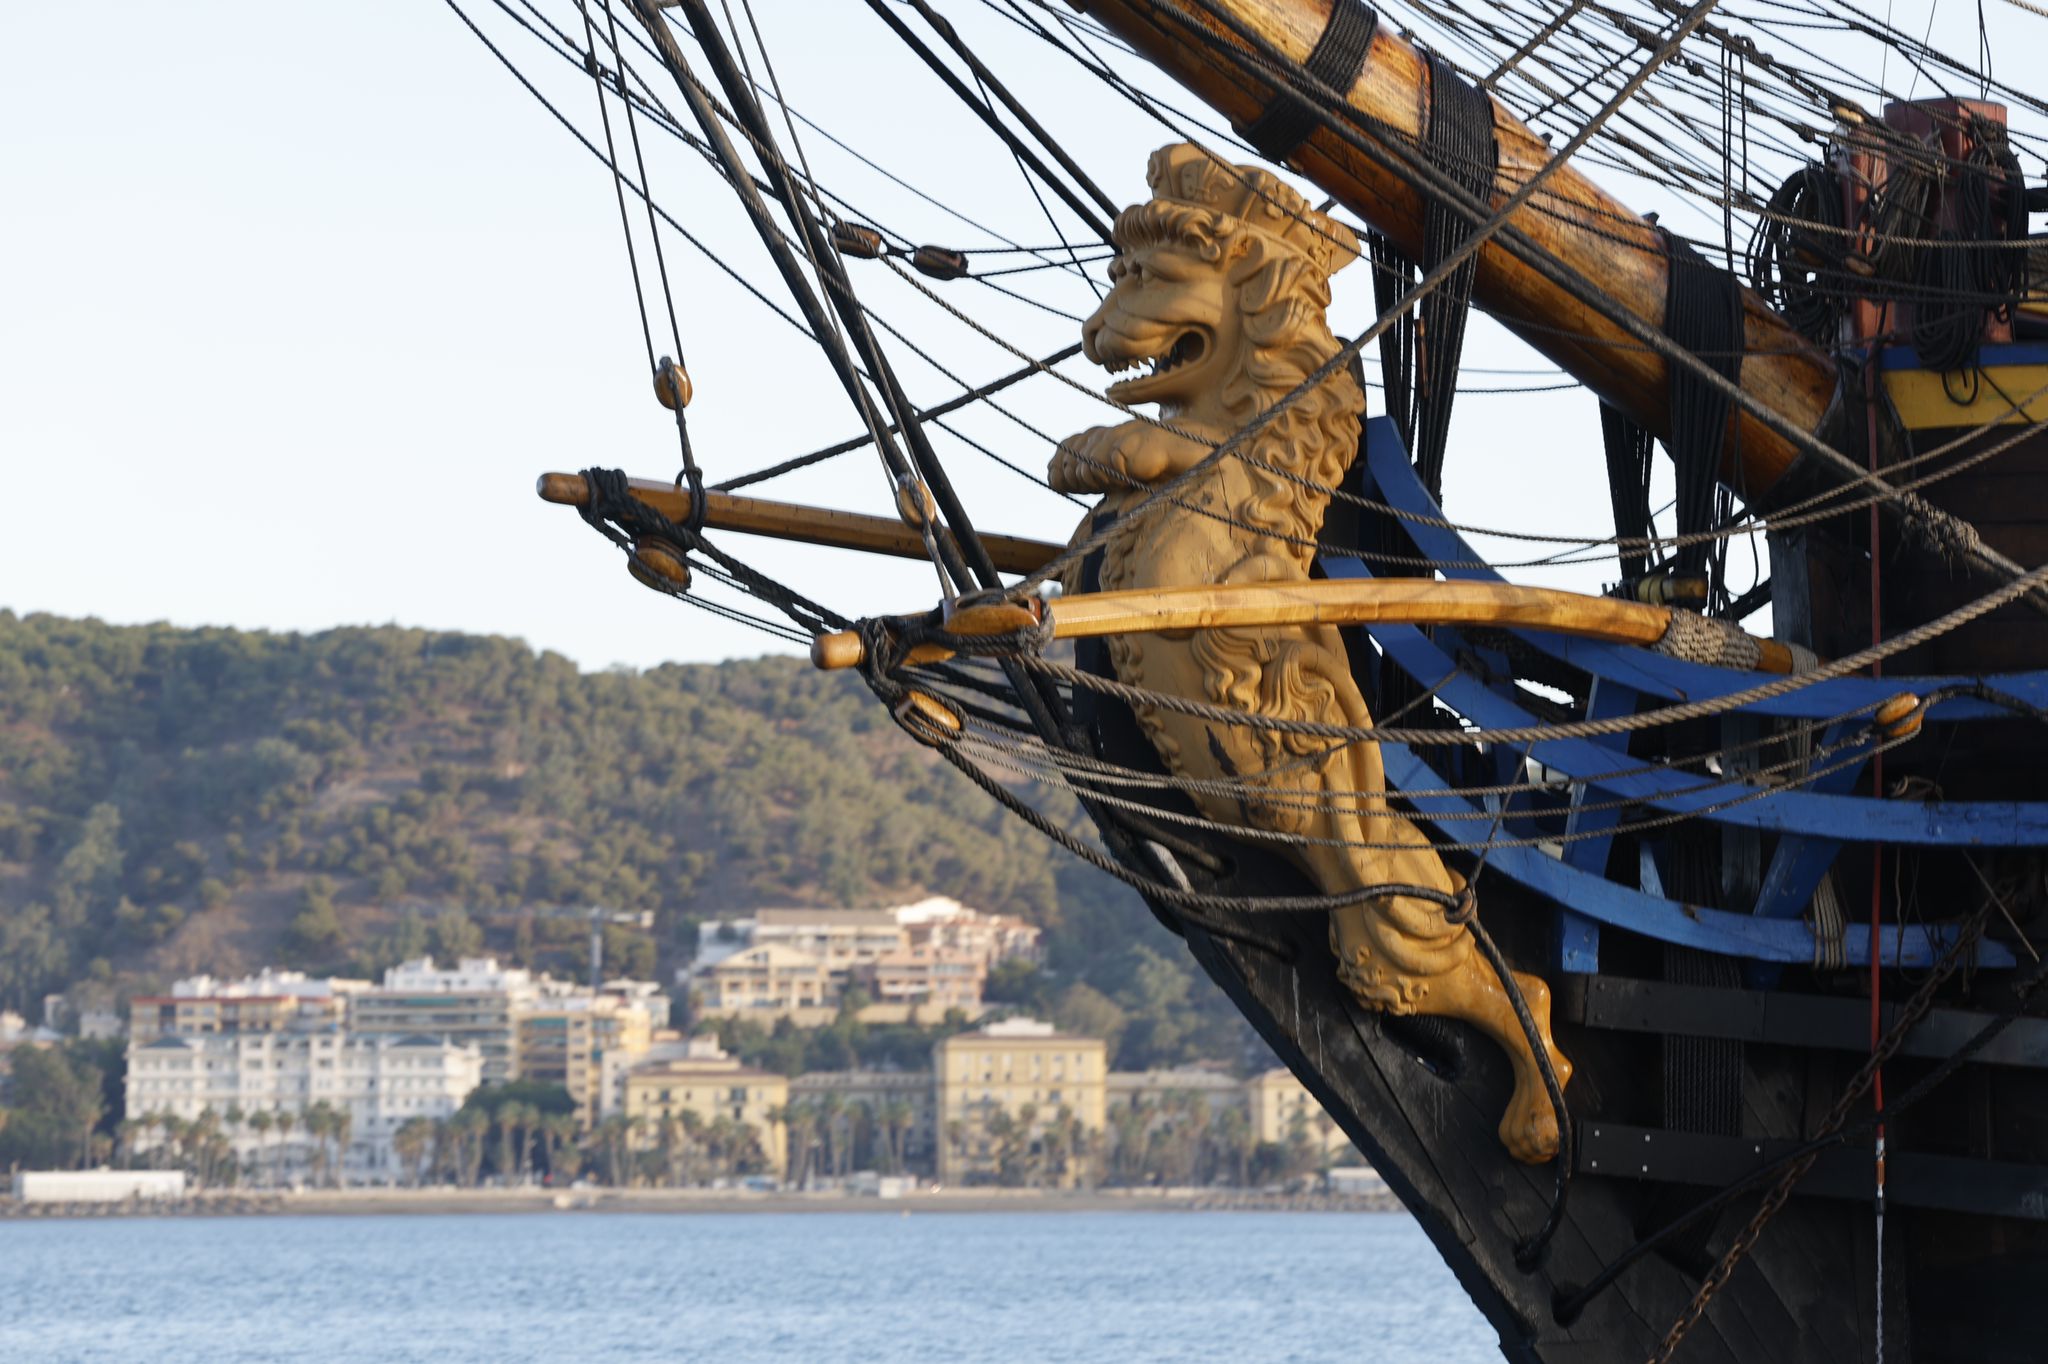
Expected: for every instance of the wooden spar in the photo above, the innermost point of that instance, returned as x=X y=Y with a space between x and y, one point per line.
x=1330 y=601
x=789 y=521
x=1590 y=232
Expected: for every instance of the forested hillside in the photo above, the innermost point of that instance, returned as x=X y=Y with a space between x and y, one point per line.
x=176 y=800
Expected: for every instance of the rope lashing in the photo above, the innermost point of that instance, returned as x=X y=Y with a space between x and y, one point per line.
x=658 y=550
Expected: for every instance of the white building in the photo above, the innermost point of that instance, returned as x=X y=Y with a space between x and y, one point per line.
x=379 y=1082
x=98 y=1186
x=471 y=975
x=268 y=983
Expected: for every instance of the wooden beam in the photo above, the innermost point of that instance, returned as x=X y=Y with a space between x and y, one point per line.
x=790 y=521
x=1595 y=235
x=1342 y=601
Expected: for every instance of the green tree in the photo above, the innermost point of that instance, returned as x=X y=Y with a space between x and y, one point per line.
x=455 y=935
x=411 y=1143
x=55 y=1108
x=316 y=933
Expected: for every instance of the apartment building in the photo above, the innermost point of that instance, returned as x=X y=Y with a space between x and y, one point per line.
x=269 y=1001
x=1024 y=1071
x=710 y=1087
x=476 y=1002
x=928 y=978
x=564 y=1039
x=922 y=958
x=770 y=979
x=378 y=1082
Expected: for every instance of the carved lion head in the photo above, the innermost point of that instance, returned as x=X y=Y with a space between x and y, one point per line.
x=1219 y=289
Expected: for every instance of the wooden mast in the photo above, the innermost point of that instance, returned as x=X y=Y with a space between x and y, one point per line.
x=792 y=521
x=1593 y=234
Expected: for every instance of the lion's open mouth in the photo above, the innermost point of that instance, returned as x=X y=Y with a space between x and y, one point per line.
x=1191 y=347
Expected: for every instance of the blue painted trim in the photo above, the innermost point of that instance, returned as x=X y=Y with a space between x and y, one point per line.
x=1710 y=930
x=1651 y=673
x=2001 y=824
x=1578 y=937
x=1989 y=356
x=1798 y=863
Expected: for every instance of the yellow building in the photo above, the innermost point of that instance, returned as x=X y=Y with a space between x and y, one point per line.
x=1280 y=1107
x=1001 y=1093
x=564 y=1041
x=711 y=1087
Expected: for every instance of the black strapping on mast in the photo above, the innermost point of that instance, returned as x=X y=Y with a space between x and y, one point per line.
x=1419 y=357
x=1629 y=452
x=1703 y=313
x=1336 y=59
x=1393 y=276
x=1459 y=139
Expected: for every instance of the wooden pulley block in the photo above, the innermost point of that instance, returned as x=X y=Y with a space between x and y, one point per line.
x=658 y=564
x=1900 y=717
x=928 y=719
x=939 y=262
x=859 y=241
x=914 y=503
x=672 y=384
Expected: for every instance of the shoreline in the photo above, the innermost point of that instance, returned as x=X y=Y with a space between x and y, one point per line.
x=444 y=1202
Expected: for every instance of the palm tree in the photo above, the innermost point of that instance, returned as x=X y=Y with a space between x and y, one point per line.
x=830 y=1106
x=1028 y=1152
x=956 y=1140
x=413 y=1139
x=285 y=1121
x=897 y=1115
x=669 y=1141
x=466 y=1135
x=1234 y=1140
x=693 y=1131
x=260 y=1122
x=1001 y=1127
x=558 y=1134
x=125 y=1132
x=798 y=1121
x=322 y=1121
x=503 y=1120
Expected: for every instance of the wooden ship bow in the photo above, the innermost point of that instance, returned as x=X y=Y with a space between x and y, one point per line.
x=1801 y=1123
x=1677 y=966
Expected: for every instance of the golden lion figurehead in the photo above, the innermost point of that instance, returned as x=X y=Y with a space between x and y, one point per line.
x=1220 y=285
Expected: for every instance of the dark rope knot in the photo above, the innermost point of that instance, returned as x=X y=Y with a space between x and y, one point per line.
x=1462 y=908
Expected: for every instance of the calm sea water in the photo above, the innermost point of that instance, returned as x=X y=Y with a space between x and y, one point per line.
x=882 y=1287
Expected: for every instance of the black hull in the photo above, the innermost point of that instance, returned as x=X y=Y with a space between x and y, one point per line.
x=1421 y=1101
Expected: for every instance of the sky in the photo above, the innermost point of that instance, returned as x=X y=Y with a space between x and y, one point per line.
x=296 y=302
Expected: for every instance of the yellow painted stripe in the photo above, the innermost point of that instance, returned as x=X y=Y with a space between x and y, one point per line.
x=2011 y=395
